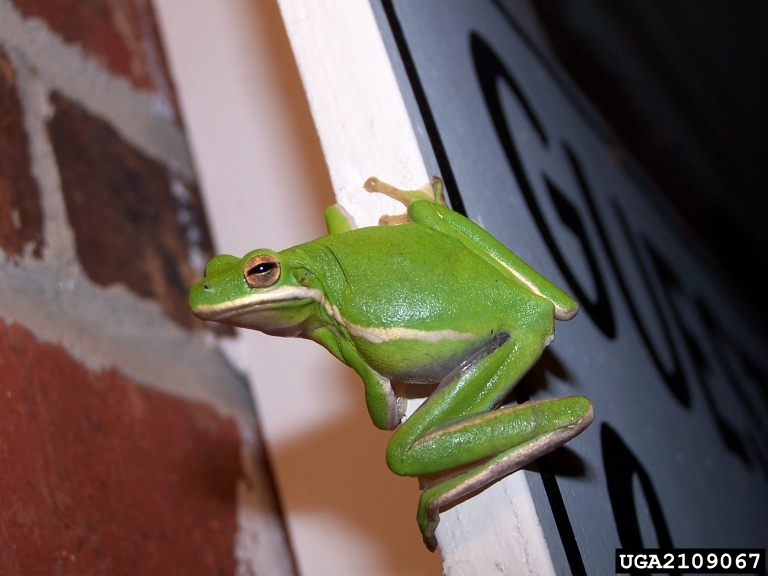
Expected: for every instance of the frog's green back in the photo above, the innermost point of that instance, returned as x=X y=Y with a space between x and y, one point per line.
x=411 y=276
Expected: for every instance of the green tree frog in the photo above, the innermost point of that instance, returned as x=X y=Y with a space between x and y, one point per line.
x=428 y=298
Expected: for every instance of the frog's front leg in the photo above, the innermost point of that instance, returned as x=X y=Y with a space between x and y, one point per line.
x=457 y=427
x=385 y=408
x=338 y=220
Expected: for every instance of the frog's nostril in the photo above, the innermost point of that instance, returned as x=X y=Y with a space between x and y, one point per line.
x=207 y=286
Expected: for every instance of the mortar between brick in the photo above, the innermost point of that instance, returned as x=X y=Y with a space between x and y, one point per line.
x=111 y=327
x=59 y=240
x=143 y=118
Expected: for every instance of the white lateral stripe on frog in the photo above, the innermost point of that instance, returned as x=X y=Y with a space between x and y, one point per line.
x=372 y=334
x=381 y=335
x=274 y=295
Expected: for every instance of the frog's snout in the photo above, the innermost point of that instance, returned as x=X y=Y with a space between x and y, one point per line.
x=201 y=294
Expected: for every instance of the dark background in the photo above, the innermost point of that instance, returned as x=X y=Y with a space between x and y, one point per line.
x=684 y=84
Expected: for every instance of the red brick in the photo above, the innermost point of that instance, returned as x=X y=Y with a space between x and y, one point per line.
x=21 y=217
x=129 y=228
x=103 y=476
x=121 y=34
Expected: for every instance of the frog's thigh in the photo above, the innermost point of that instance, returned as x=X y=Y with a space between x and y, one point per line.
x=465 y=396
x=489 y=248
x=522 y=434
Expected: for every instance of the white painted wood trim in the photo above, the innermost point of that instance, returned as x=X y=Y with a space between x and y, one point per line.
x=364 y=131
x=355 y=101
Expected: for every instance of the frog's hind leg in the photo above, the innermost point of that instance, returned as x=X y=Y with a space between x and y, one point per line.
x=457 y=428
x=576 y=409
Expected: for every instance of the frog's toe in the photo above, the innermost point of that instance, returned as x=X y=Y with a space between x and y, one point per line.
x=393 y=219
x=430 y=542
x=428 y=515
x=373 y=184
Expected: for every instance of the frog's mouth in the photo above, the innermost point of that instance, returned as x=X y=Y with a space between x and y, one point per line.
x=264 y=303
x=261 y=300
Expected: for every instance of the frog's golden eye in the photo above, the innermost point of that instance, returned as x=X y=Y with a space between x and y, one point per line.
x=261 y=271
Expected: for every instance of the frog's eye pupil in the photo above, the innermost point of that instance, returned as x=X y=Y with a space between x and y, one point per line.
x=261 y=271
x=262 y=268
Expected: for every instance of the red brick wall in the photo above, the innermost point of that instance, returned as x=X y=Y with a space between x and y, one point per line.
x=21 y=223
x=138 y=238
x=128 y=445
x=103 y=476
x=122 y=36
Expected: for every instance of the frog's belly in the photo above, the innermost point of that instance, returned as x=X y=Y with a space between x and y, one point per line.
x=416 y=361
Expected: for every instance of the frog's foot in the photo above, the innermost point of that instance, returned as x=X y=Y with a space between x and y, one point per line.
x=446 y=492
x=393 y=219
x=432 y=192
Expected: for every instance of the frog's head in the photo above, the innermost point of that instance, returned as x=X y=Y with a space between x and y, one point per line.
x=263 y=290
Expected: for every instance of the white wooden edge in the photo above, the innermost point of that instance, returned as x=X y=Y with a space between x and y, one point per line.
x=364 y=131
